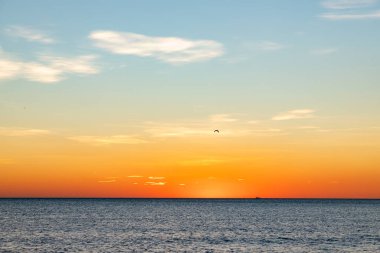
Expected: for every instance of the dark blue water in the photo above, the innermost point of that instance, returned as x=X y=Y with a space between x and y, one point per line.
x=124 y=225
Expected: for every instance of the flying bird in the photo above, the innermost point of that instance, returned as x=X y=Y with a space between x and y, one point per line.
x=216 y=131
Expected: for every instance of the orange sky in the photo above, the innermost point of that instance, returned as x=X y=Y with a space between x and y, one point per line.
x=209 y=166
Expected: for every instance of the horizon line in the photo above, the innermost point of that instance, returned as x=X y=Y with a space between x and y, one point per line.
x=185 y=198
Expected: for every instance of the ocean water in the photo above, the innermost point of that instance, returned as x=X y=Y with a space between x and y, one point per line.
x=194 y=225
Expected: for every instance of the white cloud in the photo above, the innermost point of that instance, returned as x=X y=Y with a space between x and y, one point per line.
x=348 y=10
x=351 y=16
x=268 y=46
x=107 y=181
x=308 y=127
x=16 y=131
x=82 y=64
x=347 y=4
x=9 y=68
x=168 y=49
x=222 y=118
x=323 y=51
x=41 y=73
x=107 y=140
x=48 y=69
x=156 y=178
x=155 y=183
x=295 y=114
x=29 y=34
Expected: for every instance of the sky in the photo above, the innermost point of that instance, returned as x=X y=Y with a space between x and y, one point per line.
x=121 y=98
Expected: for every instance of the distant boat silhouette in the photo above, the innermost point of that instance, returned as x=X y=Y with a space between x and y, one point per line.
x=216 y=131
x=257 y=198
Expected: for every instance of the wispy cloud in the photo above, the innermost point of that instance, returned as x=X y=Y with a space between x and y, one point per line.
x=182 y=130
x=16 y=131
x=48 y=69
x=351 y=16
x=228 y=125
x=107 y=181
x=308 y=127
x=155 y=183
x=29 y=34
x=10 y=69
x=135 y=176
x=347 y=4
x=323 y=51
x=172 y=50
x=108 y=140
x=295 y=114
x=156 y=178
x=203 y=127
x=222 y=118
x=349 y=10
x=268 y=46
x=268 y=132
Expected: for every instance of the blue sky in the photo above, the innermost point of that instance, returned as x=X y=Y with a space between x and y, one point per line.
x=251 y=57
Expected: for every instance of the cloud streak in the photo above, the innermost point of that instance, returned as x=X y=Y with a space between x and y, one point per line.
x=228 y=126
x=348 y=10
x=172 y=50
x=347 y=4
x=295 y=114
x=29 y=34
x=107 y=140
x=10 y=131
x=107 y=181
x=351 y=16
x=222 y=118
x=49 y=69
x=156 y=178
x=155 y=183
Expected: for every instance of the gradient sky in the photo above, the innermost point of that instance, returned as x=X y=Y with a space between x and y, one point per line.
x=120 y=98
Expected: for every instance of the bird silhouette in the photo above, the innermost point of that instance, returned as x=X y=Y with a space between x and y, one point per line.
x=216 y=131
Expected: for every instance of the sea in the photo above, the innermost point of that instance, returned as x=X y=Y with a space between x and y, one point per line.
x=189 y=225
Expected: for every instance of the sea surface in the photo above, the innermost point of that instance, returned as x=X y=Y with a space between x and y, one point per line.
x=189 y=225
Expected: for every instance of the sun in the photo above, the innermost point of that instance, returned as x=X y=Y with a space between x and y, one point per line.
x=218 y=189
